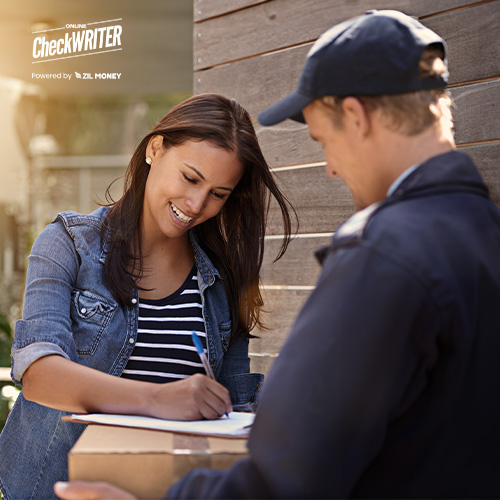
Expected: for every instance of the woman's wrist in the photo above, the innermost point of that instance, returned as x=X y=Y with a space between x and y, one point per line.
x=149 y=398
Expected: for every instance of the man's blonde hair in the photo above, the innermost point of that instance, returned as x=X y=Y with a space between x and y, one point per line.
x=410 y=113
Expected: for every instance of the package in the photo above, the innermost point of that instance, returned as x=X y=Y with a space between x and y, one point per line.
x=147 y=462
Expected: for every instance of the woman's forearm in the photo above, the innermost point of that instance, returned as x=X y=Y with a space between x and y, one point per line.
x=58 y=383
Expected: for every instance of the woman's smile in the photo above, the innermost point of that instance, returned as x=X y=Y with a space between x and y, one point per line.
x=192 y=181
x=179 y=215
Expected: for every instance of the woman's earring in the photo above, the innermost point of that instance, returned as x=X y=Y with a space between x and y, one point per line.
x=148 y=160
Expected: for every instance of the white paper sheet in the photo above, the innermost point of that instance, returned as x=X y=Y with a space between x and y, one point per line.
x=236 y=424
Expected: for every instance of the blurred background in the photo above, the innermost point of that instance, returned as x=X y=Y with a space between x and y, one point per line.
x=64 y=140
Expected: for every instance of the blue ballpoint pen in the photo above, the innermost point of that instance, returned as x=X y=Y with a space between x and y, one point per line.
x=201 y=353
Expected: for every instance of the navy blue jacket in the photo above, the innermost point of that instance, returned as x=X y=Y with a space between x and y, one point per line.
x=389 y=384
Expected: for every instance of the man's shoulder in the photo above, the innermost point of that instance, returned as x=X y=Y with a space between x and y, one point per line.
x=350 y=233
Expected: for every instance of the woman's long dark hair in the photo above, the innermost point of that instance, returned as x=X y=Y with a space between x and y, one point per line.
x=234 y=239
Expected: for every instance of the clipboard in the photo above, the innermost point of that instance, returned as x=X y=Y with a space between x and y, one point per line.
x=236 y=425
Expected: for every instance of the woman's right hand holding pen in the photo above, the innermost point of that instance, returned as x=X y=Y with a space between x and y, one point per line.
x=59 y=383
x=194 y=398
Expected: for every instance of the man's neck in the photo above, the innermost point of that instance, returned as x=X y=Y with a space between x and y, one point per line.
x=404 y=152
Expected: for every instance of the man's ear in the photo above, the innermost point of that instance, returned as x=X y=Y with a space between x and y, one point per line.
x=356 y=117
x=155 y=146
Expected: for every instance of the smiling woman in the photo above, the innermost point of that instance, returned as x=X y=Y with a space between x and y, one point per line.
x=112 y=297
x=234 y=237
x=191 y=182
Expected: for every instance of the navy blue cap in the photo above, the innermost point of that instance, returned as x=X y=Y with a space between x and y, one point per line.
x=377 y=53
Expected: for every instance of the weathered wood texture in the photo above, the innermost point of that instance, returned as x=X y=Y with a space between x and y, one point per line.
x=300 y=267
x=283 y=23
x=324 y=203
x=267 y=346
x=205 y=9
x=254 y=51
x=258 y=81
x=487 y=158
x=476 y=112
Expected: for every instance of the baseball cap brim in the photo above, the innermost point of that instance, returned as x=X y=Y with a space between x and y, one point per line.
x=290 y=106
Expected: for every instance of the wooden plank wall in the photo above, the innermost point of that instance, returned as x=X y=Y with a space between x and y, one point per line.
x=254 y=51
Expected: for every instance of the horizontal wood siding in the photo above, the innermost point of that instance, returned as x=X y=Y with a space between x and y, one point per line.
x=283 y=23
x=323 y=203
x=472 y=37
x=300 y=267
x=476 y=113
x=254 y=51
x=205 y=9
x=486 y=156
x=282 y=306
x=258 y=80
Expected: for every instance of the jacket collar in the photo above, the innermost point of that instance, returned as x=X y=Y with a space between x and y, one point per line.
x=206 y=269
x=450 y=172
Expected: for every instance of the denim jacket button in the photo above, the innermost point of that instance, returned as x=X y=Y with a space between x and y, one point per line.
x=131 y=340
x=134 y=301
x=83 y=310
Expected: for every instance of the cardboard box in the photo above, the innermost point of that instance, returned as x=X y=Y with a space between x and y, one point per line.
x=147 y=462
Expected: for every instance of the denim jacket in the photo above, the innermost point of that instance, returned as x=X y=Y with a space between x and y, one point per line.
x=68 y=311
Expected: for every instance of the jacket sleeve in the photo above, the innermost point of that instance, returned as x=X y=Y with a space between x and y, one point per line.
x=348 y=369
x=46 y=325
x=243 y=386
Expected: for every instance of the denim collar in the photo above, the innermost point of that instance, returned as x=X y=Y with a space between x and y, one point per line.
x=207 y=270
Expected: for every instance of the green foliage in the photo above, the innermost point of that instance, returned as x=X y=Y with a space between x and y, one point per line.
x=8 y=396
x=6 y=340
x=106 y=124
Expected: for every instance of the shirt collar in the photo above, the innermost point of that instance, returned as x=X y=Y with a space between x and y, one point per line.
x=401 y=178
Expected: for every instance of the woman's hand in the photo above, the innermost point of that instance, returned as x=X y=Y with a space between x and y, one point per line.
x=194 y=398
x=83 y=490
x=65 y=385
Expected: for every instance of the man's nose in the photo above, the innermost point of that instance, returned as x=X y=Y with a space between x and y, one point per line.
x=331 y=172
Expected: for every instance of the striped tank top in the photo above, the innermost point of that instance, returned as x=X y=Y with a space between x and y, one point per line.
x=164 y=351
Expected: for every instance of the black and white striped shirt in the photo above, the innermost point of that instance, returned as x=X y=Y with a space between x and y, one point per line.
x=164 y=350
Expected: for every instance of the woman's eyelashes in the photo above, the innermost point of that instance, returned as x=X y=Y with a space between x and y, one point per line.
x=190 y=179
x=215 y=194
